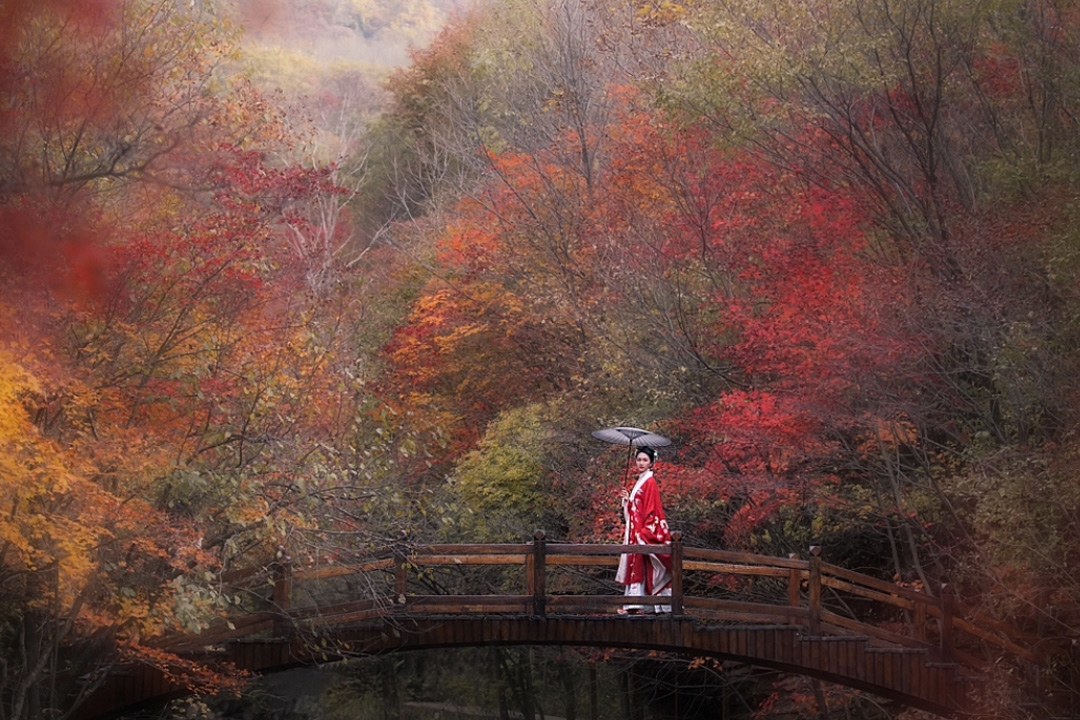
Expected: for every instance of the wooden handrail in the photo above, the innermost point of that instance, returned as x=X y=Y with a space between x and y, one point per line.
x=748 y=559
x=935 y=623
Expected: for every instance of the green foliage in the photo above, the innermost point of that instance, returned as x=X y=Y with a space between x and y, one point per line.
x=410 y=22
x=292 y=71
x=1022 y=510
x=503 y=487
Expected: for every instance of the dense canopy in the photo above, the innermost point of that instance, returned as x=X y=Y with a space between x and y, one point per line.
x=831 y=249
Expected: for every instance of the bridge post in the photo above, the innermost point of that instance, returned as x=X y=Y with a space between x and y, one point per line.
x=281 y=576
x=793 y=583
x=400 y=551
x=281 y=572
x=400 y=579
x=948 y=608
x=919 y=621
x=539 y=573
x=676 y=574
x=815 y=590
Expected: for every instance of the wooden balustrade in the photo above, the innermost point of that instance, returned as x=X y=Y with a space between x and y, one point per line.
x=790 y=613
x=802 y=589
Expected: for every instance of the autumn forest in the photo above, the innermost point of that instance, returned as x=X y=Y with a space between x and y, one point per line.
x=831 y=248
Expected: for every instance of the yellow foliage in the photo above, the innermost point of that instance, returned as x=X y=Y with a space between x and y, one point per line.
x=37 y=479
x=53 y=518
x=661 y=13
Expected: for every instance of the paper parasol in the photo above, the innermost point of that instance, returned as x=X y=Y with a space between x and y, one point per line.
x=631 y=436
x=635 y=437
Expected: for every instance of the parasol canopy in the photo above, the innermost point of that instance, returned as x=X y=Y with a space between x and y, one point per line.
x=634 y=437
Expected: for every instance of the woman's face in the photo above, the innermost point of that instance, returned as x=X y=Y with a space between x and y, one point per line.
x=642 y=461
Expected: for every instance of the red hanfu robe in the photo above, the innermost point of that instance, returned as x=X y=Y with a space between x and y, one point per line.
x=645 y=525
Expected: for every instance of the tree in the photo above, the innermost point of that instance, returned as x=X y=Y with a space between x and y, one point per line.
x=502 y=489
x=171 y=394
x=86 y=563
x=944 y=122
x=104 y=91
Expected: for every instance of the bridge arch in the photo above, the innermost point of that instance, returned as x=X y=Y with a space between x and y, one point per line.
x=907 y=675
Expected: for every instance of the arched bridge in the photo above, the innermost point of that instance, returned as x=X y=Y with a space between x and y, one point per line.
x=796 y=615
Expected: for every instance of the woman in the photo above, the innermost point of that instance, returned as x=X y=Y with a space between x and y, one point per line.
x=645 y=525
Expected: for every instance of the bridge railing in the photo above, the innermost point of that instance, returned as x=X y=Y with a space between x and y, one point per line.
x=540 y=578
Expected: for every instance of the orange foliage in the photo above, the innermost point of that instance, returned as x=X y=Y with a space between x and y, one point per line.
x=163 y=375
x=183 y=672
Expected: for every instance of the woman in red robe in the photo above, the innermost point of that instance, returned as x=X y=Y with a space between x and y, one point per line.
x=646 y=524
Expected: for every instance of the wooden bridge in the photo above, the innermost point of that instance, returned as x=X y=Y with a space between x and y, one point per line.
x=795 y=615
